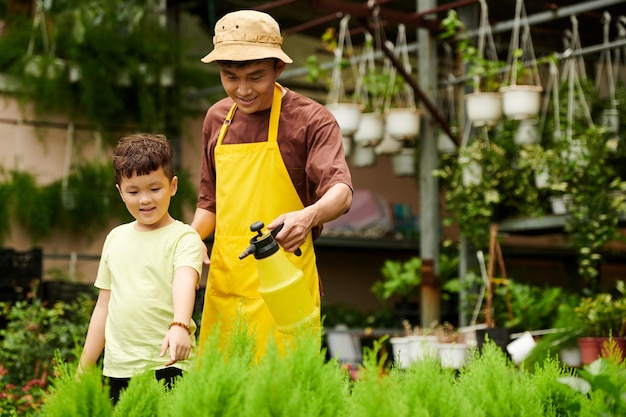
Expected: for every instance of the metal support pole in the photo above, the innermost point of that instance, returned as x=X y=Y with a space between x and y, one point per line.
x=430 y=296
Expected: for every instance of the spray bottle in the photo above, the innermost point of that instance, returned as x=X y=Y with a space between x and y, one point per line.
x=281 y=283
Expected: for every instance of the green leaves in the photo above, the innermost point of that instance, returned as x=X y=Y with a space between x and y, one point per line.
x=400 y=278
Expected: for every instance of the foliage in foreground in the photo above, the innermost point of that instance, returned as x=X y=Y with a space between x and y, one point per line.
x=231 y=382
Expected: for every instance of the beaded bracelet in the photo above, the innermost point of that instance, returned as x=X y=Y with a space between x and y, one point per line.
x=180 y=324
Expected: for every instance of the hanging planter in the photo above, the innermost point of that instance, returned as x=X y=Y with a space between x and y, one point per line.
x=404 y=162
x=484 y=104
x=369 y=89
x=402 y=118
x=403 y=123
x=483 y=109
x=363 y=156
x=527 y=132
x=348 y=116
x=521 y=101
x=347 y=145
x=389 y=145
x=609 y=118
x=445 y=145
x=371 y=129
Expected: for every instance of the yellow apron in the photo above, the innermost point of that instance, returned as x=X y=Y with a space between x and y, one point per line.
x=252 y=185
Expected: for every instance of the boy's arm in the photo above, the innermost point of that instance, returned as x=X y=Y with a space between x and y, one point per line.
x=184 y=296
x=94 y=343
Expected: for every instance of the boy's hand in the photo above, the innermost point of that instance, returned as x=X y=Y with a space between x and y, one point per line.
x=177 y=339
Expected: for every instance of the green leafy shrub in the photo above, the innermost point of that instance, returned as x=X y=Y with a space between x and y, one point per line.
x=18 y=400
x=230 y=380
x=35 y=331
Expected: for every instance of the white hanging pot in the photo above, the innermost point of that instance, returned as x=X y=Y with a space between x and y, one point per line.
x=560 y=204
x=348 y=116
x=610 y=120
x=527 y=132
x=472 y=174
x=38 y=67
x=483 y=109
x=521 y=102
x=402 y=123
x=389 y=145
x=404 y=162
x=347 y=145
x=363 y=156
x=542 y=178
x=371 y=129
x=445 y=145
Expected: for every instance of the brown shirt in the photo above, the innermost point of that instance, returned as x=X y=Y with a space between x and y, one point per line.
x=309 y=140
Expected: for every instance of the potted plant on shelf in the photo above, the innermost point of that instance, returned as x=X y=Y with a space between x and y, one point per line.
x=400 y=281
x=600 y=319
x=451 y=347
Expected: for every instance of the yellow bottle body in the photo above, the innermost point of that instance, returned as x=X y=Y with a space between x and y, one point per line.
x=286 y=294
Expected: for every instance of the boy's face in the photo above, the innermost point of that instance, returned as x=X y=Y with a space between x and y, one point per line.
x=147 y=198
x=251 y=86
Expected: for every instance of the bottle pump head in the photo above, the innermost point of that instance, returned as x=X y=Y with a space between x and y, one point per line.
x=263 y=244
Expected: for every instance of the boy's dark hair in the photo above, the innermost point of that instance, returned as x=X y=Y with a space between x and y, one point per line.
x=142 y=154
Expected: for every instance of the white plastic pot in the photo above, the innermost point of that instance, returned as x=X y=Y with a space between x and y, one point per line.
x=363 y=156
x=348 y=116
x=389 y=145
x=402 y=123
x=452 y=355
x=521 y=102
x=527 y=132
x=520 y=348
x=401 y=351
x=422 y=347
x=371 y=129
x=483 y=109
x=404 y=162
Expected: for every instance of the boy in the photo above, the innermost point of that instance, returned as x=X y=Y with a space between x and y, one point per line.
x=147 y=275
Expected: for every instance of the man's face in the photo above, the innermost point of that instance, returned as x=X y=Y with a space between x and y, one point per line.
x=251 y=86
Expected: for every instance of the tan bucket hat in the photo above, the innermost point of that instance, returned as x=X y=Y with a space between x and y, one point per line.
x=246 y=35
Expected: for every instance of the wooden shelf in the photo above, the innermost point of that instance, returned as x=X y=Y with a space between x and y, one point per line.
x=365 y=243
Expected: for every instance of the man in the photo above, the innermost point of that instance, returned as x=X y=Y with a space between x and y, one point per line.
x=271 y=155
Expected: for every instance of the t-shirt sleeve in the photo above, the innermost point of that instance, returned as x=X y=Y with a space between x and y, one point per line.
x=103 y=277
x=189 y=251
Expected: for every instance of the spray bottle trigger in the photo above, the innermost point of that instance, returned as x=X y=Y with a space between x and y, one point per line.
x=275 y=231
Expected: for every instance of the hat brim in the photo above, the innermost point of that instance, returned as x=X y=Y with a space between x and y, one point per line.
x=245 y=53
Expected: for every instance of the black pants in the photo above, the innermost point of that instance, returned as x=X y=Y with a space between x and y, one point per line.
x=117 y=385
